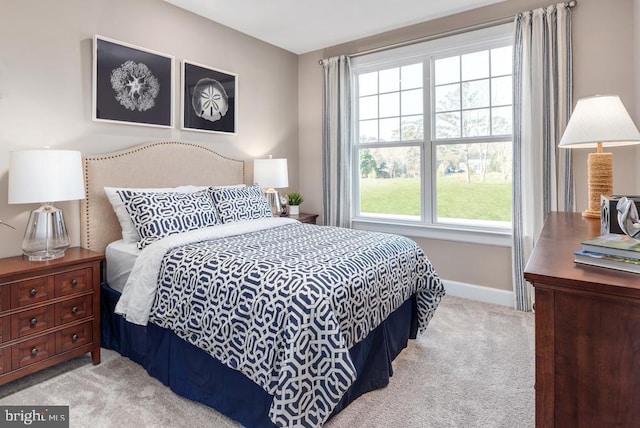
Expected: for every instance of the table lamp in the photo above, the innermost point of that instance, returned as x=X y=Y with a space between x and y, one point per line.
x=270 y=174
x=45 y=176
x=597 y=121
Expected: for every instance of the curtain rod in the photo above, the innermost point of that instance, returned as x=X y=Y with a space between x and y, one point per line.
x=448 y=33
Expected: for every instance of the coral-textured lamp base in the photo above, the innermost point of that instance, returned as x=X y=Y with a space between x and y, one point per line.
x=600 y=177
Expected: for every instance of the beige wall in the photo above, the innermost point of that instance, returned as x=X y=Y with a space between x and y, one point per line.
x=45 y=86
x=603 y=34
x=45 y=95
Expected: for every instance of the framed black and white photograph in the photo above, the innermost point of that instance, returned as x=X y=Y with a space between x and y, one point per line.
x=132 y=85
x=209 y=99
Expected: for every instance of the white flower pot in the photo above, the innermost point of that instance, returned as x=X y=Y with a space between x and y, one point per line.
x=294 y=209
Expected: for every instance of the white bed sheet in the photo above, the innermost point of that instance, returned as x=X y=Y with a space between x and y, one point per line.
x=121 y=256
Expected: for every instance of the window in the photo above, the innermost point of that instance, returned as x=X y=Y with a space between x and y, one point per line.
x=434 y=133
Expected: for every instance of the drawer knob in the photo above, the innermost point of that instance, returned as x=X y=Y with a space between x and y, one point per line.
x=33 y=322
x=74 y=338
x=74 y=282
x=33 y=292
x=34 y=352
x=74 y=310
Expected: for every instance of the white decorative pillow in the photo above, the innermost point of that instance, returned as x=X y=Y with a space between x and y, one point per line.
x=156 y=215
x=129 y=232
x=243 y=203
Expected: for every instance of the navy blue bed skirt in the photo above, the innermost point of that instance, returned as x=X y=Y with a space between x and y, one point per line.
x=194 y=374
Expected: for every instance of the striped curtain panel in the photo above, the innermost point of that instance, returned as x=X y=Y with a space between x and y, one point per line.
x=542 y=177
x=336 y=141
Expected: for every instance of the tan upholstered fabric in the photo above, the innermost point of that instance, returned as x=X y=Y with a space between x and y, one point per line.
x=158 y=164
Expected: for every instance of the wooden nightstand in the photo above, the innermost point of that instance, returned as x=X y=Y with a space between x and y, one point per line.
x=49 y=311
x=305 y=218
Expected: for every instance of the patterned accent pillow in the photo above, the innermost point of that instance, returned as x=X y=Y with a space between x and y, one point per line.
x=157 y=215
x=238 y=204
x=129 y=232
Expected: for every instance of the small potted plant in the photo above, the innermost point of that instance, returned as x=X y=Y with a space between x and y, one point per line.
x=295 y=199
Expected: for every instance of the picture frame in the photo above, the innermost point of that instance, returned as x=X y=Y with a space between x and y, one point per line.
x=209 y=99
x=132 y=85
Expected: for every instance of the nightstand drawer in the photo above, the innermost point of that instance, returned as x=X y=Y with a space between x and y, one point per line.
x=33 y=350
x=74 y=337
x=74 y=309
x=31 y=291
x=32 y=321
x=73 y=282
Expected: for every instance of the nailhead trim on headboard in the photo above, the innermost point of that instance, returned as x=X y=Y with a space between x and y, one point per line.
x=182 y=161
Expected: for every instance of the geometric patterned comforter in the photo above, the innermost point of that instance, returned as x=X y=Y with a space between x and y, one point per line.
x=284 y=305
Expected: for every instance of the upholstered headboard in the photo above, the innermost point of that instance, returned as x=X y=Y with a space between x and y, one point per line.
x=158 y=164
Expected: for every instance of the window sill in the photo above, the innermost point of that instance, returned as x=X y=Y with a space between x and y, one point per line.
x=495 y=237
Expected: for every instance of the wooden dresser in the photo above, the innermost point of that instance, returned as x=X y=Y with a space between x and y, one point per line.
x=587 y=323
x=49 y=311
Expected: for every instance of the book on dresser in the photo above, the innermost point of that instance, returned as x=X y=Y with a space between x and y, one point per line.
x=613 y=244
x=608 y=261
x=612 y=251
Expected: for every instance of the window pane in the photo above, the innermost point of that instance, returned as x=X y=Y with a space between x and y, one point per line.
x=411 y=102
x=448 y=125
x=501 y=59
x=368 y=83
x=390 y=104
x=501 y=91
x=368 y=107
x=412 y=128
x=475 y=65
x=453 y=105
x=368 y=131
x=412 y=76
x=390 y=80
x=473 y=182
x=475 y=123
x=447 y=70
x=390 y=181
x=448 y=97
x=501 y=118
x=475 y=94
x=390 y=129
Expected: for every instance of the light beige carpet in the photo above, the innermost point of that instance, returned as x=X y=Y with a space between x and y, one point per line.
x=474 y=367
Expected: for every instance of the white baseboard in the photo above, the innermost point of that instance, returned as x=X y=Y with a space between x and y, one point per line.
x=479 y=293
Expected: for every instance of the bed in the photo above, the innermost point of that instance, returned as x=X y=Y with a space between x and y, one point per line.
x=270 y=321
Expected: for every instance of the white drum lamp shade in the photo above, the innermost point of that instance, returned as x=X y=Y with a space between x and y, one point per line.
x=45 y=176
x=597 y=121
x=271 y=174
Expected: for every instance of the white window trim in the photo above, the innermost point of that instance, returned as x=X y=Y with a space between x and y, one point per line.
x=495 y=237
x=426 y=228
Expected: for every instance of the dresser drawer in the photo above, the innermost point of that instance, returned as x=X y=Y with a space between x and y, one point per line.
x=73 y=282
x=5 y=297
x=5 y=360
x=32 y=321
x=32 y=351
x=74 y=309
x=5 y=329
x=74 y=337
x=31 y=291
